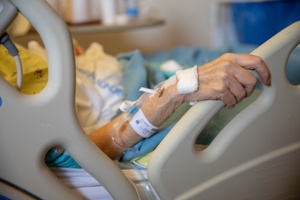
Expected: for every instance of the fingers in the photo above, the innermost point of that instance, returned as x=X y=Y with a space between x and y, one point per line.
x=244 y=79
x=238 y=91
x=228 y=79
x=252 y=62
x=243 y=83
x=230 y=92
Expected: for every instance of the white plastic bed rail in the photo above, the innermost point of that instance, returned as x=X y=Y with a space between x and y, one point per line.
x=256 y=156
x=31 y=124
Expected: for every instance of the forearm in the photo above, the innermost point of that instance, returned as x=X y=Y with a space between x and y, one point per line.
x=157 y=108
x=124 y=136
x=160 y=106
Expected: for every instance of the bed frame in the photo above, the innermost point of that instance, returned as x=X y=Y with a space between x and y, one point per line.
x=31 y=124
x=256 y=156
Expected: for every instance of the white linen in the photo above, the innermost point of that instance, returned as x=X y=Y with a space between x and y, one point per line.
x=82 y=183
x=98 y=85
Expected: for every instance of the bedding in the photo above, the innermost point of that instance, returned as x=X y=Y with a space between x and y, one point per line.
x=98 y=85
x=83 y=184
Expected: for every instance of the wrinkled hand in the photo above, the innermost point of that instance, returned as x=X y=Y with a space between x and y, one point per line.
x=228 y=79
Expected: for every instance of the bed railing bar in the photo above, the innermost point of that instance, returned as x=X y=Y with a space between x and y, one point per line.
x=53 y=120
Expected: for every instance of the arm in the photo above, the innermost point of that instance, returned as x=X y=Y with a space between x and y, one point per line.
x=226 y=78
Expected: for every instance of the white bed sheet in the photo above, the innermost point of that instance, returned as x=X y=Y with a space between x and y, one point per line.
x=82 y=183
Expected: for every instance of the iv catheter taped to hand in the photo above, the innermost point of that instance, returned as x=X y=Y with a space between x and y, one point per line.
x=187 y=80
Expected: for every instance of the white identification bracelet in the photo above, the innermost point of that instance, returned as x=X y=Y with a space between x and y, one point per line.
x=141 y=125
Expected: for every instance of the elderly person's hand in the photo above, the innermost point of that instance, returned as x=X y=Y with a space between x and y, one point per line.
x=228 y=79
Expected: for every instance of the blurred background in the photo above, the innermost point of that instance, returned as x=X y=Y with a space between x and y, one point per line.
x=191 y=23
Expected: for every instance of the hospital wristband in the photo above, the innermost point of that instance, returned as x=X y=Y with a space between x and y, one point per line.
x=141 y=125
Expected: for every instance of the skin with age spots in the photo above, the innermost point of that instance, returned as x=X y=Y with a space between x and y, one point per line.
x=161 y=92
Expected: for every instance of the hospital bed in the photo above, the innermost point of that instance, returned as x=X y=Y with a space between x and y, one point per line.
x=256 y=156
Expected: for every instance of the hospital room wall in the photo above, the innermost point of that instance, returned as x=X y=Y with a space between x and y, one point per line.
x=190 y=23
x=187 y=23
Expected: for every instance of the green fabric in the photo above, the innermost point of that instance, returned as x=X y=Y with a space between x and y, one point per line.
x=219 y=121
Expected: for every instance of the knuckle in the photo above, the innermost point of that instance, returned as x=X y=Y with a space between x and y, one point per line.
x=241 y=95
x=258 y=60
x=252 y=80
x=226 y=55
x=227 y=65
x=230 y=103
x=244 y=94
x=222 y=90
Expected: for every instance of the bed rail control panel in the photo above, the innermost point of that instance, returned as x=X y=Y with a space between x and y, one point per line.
x=8 y=12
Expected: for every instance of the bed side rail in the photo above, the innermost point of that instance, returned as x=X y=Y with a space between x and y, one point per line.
x=256 y=155
x=31 y=124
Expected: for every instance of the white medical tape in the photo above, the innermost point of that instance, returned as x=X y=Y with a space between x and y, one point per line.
x=126 y=105
x=187 y=80
x=141 y=125
x=147 y=90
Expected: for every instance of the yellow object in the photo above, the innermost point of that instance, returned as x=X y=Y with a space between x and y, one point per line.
x=143 y=160
x=35 y=70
